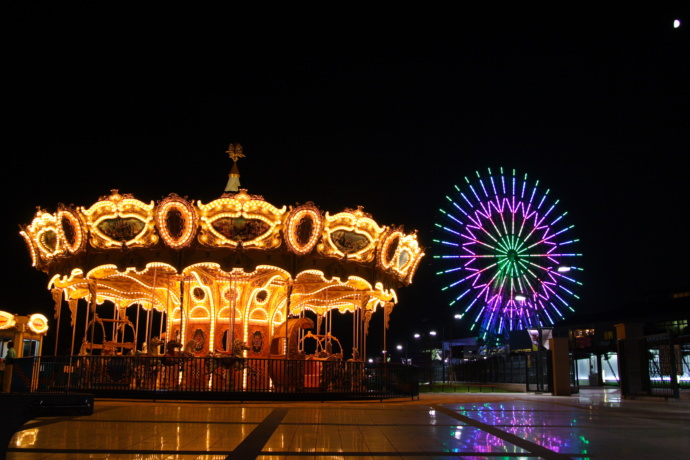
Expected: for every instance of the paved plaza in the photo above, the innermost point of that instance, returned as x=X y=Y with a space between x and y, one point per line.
x=594 y=424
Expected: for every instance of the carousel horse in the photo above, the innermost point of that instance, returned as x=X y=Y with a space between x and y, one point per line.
x=188 y=349
x=147 y=365
x=171 y=365
x=229 y=359
x=172 y=352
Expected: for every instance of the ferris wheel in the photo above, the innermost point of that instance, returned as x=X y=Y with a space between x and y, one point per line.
x=508 y=254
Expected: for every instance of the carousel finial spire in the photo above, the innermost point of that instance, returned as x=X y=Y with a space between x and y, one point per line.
x=235 y=152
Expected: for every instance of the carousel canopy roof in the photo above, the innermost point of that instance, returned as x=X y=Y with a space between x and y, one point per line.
x=130 y=251
x=235 y=231
x=136 y=251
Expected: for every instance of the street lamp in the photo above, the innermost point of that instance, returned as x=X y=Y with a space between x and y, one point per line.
x=540 y=347
x=400 y=348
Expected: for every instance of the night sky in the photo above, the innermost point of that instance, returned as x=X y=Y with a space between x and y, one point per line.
x=385 y=114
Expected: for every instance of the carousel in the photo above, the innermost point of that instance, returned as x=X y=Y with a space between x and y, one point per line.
x=234 y=277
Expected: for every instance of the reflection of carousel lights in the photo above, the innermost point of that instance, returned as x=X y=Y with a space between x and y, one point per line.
x=233 y=263
x=26 y=438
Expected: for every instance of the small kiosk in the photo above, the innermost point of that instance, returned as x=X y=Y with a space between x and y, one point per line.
x=27 y=333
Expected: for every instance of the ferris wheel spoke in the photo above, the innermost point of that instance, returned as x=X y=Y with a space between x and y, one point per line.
x=509 y=242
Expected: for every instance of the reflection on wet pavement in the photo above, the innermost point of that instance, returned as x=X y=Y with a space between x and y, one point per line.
x=593 y=424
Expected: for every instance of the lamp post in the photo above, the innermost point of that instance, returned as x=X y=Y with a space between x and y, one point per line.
x=538 y=367
x=451 y=374
x=433 y=334
x=400 y=347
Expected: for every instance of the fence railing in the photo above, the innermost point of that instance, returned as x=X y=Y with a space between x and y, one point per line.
x=653 y=365
x=533 y=370
x=214 y=378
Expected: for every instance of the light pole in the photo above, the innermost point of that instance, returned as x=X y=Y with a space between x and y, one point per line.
x=433 y=333
x=451 y=374
x=538 y=367
x=400 y=348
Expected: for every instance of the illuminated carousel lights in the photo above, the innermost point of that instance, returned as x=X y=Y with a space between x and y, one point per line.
x=266 y=240
x=188 y=225
x=71 y=229
x=45 y=235
x=356 y=219
x=114 y=220
x=194 y=313
x=124 y=298
x=329 y=287
x=319 y=310
x=378 y=287
x=47 y=238
x=127 y=276
x=61 y=281
x=389 y=248
x=359 y=283
x=255 y=295
x=127 y=208
x=6 y=320
x=226 y=312
x=144 y=237
x=413 y=269
x=230 y=207
x=230 y=294
x=294 y=226
x=258 y=310
x=32 y=249
x=280 y=273
x=38 y=323
x=101 y=271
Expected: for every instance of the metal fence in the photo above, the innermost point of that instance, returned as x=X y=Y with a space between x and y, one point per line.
x=511 y=369
x=534 y=370
x=653 y=366
x=214 y=378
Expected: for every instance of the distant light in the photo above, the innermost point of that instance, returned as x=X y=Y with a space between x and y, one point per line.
x=563 y=269
x=676 y=23
x=520 y=298
x=399 y=347
x=458 y=316
x=416 y=336
x=432 y=332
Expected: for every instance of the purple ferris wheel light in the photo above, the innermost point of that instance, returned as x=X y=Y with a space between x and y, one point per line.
x=508 y=253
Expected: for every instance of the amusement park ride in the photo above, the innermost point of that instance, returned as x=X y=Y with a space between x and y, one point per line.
x=203 y=278
x=509 y=256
